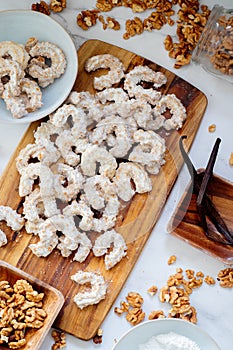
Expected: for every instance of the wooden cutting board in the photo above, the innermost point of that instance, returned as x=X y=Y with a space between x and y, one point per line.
x=135 y=224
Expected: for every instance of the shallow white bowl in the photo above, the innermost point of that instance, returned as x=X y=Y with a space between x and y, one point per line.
x=143 y=332
x=20 y=25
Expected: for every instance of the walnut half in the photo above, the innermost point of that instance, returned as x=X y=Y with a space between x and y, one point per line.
x=87 y=19
x=225 y=277
x=57 y=5
x=42 y=7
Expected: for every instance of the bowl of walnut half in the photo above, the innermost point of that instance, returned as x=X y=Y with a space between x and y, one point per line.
x=28 y=308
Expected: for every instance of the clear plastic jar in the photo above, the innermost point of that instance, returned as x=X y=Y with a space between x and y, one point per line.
x=214 y=51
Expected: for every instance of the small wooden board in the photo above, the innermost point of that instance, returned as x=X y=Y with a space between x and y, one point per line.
x=185 y=223
x=135 y=224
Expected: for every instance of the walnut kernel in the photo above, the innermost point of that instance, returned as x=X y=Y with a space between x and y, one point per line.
x=152 y=290
x=225 y=277
x=135 y=316
x=171 y=260
x=154 y=315
x=209 y=280
x=59 y=340
x=134 y=299
x=87 y=19
x=42 y=7
x=212 y=128
x=57 y=5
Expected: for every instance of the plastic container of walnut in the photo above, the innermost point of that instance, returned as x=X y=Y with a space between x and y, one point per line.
x=214 y=51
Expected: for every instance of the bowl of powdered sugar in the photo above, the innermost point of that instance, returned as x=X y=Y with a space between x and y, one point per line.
x=166 y=334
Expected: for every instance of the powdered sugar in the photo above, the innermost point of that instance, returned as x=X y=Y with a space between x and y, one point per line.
x=169 y=341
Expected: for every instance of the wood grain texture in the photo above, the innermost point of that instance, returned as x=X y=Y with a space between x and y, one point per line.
x=185 y=222
x=135 y=223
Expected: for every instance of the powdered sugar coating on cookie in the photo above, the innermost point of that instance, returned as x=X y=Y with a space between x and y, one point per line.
x=97 y=291
x=115 y=74
x=104 y=242
x=144 y=74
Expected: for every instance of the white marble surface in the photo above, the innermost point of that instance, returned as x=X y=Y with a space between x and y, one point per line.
x=214 y=304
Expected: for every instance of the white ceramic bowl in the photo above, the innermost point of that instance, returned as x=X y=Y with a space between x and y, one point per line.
x=143 y=332
x=20 y=25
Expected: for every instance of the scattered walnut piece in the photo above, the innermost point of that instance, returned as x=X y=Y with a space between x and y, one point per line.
x=123 y=308
x=177 y=292
x=104 y=5
x=134 y=299
x=212 y=128
x=163 y=5
x=209 y=280
x=135 y=316
x=191 y=21
x=42 y=7
x=225 y=277
x=231 y=159
x=164 y=294
x=179 y=270
x=190 y=316
x=190 y=25
x=112 y=23
x=138 y=6
x=117 y=2
x=176 y=279
x=189 y=3
x=152 y=290
x=133 y=27
x=98 y=338
x=156 y=20
x=132 y=308
x=102 y=20
x=189 y=273
x=195 y=282
x=168 y=43
x=87 y=19
x=200 y=274
x=57 y=5
x=59 y=339
x=154 y=315
x=171 y=260
x=182 y=60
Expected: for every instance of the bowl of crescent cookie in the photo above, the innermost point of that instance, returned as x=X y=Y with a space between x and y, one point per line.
x=38 y=65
